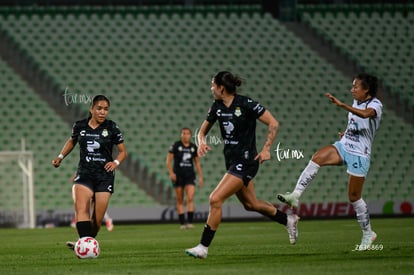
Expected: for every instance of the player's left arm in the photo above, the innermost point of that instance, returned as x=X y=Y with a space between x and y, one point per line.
x=367 y=113
x=122 y=154
x=272 y=129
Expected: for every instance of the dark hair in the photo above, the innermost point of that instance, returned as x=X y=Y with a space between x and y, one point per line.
x=369 y=82
x=228 y=80
x=96 y=99
x=185 y=128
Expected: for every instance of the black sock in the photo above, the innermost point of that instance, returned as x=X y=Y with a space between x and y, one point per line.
x=94 y=230
x=181 y=218
x=207 y=236
x=84 y=229
x=190 y=216
x=279 y=217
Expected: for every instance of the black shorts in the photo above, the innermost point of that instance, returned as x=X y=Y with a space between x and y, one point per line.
x=182 y=181
x=243 y=170
x=97 y=183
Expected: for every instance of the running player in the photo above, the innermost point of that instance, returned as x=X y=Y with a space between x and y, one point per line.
x=237 y=116
x=182 y=175
x=353 y=149
x=94 y=181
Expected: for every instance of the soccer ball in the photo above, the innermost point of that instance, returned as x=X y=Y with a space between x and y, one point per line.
x=87 y=248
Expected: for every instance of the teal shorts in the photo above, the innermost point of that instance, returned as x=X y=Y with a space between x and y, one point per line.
x=357 y=166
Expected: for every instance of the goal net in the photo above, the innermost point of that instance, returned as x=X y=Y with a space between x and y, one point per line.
x=16 y=189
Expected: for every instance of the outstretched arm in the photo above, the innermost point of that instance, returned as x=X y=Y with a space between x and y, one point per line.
x=367 y=113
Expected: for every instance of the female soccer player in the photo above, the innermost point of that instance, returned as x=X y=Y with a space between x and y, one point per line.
x=94 y=181
x=182 y=175
x=353 y=149
x=237 y=116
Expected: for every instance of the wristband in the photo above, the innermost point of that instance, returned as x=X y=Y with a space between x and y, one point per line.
x=117 y=162
x=61 y=156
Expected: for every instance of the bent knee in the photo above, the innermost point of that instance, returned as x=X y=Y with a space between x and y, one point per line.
x=215 y=201
x=250 y=206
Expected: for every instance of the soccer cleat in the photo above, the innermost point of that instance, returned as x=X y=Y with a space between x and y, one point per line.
x=109 y=224
x=198 y=252
x=292 y=228
x=189 y=226
x=290 y=199
x=183 y=227
x=368 y=237
x=70 y=245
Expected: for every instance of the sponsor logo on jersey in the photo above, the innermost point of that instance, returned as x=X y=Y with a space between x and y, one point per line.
x=92 y=145
x=228 y=127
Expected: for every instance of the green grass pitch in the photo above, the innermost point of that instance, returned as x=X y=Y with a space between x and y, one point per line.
x=324 y=247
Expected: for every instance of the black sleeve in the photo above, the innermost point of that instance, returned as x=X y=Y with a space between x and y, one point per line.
x=254 y=107
x=212 y=113
x=117 y=137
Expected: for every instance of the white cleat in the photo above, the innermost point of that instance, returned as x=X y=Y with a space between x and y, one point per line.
x=198 y=252
x=290 y=199
x=368 y=237
x=292 y=228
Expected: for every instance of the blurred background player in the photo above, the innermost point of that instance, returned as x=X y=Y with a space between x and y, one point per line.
x=237 y=115
x=184 y=154
x=95 y=176
x=353 y=149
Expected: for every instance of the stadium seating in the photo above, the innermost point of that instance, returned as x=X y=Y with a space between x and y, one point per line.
x=378 y=39
x=27 y=116
x=156 y=68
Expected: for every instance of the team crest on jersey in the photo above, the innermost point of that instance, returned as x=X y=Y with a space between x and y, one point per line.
x=237 y=112
x=105 y=133
x=180 y=148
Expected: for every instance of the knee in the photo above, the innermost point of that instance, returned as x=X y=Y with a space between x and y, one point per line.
x=215 y=201
x=317 y=158
x=248 y=206
x=179 y=200
x=354 y=196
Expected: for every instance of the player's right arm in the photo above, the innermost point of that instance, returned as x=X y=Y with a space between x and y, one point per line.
x=67 y=148
x=203 y=148
x=173 y=176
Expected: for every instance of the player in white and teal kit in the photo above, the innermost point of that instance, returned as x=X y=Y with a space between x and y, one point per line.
x=353 y=149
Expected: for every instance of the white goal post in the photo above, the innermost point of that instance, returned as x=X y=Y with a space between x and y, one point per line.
x=17 y=206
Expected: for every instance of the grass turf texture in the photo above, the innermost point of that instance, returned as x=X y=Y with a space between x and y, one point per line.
x=324 y=247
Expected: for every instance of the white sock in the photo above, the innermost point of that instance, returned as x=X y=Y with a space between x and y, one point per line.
x=362 y=214
x=306 y=177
